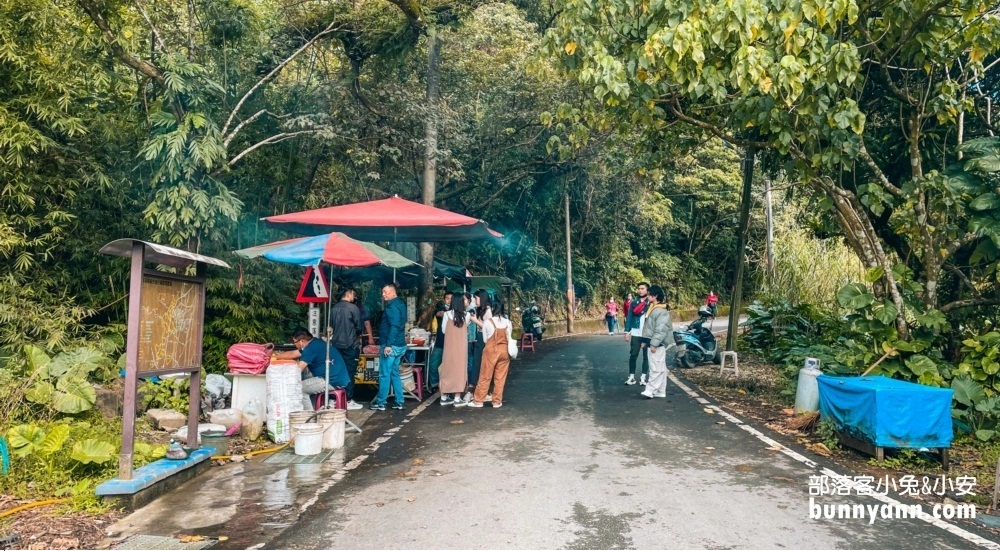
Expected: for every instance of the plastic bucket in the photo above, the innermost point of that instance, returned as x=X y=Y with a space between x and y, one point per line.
x=309 y=439
x=333 y=421
x=296 y=418
x=216 y=439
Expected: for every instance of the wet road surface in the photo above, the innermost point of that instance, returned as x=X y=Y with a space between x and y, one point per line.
x=577 y=460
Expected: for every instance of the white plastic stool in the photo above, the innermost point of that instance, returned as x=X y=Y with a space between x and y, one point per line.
x=735 y=361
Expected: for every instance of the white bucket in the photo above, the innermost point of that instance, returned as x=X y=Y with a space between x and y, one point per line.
x=333 y=421
x=297 y=418
x=309 y=439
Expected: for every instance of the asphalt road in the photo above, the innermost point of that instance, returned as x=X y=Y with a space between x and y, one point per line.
x=575 y=459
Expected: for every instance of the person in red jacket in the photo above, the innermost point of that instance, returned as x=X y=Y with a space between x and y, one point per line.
x=712 y=301
x=634 y=317
x=611 y=315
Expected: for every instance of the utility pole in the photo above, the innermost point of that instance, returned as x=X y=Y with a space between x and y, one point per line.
x=769 y=222
x=570 y=295
x=741 y=249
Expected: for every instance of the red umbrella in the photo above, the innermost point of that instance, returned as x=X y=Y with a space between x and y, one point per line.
x=392 y=219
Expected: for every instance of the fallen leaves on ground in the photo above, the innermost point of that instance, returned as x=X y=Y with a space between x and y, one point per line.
x=411 y=499
x=457 y=422
x=709 y=410
x=418 y=461
x=379 y=504
x=821 y=449
x=191 y=539
x=787 y=411
x=51 y=527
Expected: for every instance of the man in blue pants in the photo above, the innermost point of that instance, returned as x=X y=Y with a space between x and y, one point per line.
x=393 y=344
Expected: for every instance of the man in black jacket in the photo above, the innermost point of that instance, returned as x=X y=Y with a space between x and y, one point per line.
x=345 y=319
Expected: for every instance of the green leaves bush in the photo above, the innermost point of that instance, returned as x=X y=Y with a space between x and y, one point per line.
x=849 y=343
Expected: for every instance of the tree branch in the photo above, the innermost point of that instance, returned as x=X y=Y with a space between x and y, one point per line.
x=411 y=9
x=877 y=170
x=966 y=303
x=139 y=65
x=916 y=26
x=250 y=120
x=152 y=27
x=957 y=244
x=269 y=76
x=277 y=138
x=964 y=279
x=677 y=111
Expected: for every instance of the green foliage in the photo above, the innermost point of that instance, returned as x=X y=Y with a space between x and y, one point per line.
x=167 y=393
x=807 y=269
x=795 y=81
x=93 y=451
x=62 y=382
x=849 y=344
x=68 y=457
x=906 y=460
x=47 y=446
x=827 y=433
x=981 y=360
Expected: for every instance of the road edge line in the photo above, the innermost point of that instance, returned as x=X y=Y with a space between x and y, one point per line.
x=842 y=479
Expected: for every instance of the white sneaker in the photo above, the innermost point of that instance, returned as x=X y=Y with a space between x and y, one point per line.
x=467 y=397
x=354 y=405
x=631 y=380
x=645 y=394
x=488 y=398
x=642 y=380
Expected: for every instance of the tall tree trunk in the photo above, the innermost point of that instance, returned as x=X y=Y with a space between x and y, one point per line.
x=570 y=294
x=769 y=222
x=863 y=239
x=426 y=291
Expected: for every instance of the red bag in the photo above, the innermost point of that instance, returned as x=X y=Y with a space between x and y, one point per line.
x=249 y=357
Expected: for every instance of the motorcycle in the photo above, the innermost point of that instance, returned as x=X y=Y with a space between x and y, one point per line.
x=531 y=322
x=697 y=343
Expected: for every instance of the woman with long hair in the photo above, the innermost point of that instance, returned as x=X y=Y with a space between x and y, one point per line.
x=496 y=357
x=454 y=360
x=483 y=313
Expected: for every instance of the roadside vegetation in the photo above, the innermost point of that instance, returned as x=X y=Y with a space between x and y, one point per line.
x=184 y=122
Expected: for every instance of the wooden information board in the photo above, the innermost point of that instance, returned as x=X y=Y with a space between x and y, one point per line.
x=171 y=326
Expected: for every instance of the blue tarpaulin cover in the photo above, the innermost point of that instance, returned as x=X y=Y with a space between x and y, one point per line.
x=887 y=412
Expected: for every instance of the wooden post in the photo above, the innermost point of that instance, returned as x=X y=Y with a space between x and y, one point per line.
x=131 y=361
x=741 y=249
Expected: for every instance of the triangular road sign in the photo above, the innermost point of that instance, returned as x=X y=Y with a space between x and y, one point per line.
x=314 y=287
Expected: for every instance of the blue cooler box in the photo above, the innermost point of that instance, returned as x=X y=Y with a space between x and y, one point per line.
x=887 y=412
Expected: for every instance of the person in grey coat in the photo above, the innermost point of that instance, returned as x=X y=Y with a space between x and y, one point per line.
x=658 y=333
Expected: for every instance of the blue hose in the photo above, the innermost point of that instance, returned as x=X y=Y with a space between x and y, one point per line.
x=4 y=457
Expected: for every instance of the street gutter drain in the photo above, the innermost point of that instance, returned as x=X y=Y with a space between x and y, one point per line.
x=161 y=542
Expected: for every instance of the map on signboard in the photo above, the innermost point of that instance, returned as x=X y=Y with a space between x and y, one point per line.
x=171 y=324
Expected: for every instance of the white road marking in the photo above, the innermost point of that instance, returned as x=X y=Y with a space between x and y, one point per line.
x=371 y=449
x=899 y=506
